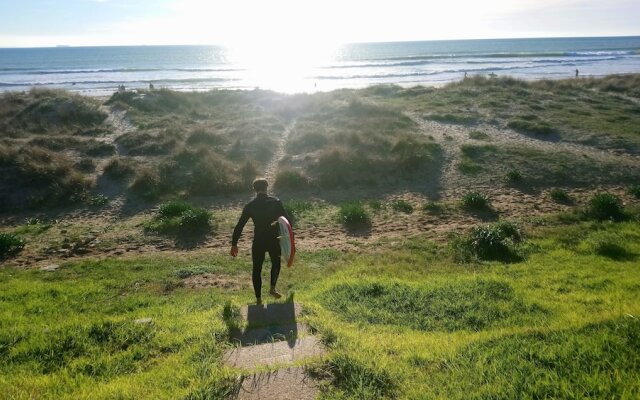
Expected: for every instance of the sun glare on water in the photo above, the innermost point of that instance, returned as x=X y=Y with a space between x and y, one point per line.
x=282 y=66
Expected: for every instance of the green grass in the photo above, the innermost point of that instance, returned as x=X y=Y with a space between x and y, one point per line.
x=463 y=305
x=404 y=322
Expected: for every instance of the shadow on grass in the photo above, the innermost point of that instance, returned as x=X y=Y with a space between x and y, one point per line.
x=483 y=214
x=361 y=229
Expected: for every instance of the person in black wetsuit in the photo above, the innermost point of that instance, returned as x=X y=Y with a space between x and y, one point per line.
x=263 y=210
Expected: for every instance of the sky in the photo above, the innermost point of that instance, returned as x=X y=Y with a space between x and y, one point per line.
x=41 y=23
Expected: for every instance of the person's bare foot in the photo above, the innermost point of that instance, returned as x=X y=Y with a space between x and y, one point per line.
x=273 y=292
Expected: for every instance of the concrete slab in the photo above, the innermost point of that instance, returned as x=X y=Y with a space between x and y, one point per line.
x=284 y=384
x=271 y=314
x=267 y=334
x=274 y=353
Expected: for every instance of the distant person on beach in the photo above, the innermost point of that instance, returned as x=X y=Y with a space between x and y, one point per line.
x=151 y=86
x=263 y=210
x=465 y=74
x=577 y=72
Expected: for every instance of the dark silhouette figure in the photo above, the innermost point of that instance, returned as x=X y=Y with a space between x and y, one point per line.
x=577 y=72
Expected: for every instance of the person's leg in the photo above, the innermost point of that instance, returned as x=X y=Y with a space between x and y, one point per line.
x=274 y=255
x=257 y=254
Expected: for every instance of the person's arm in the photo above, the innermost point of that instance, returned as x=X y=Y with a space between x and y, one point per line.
x=237 y=231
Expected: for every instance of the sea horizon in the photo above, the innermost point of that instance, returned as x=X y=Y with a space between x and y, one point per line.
x=100 y=70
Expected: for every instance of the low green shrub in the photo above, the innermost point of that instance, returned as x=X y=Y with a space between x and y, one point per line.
x=477 y=135
x=353 y=213
x=402 y=206
x=172 y=209
x=475 y=201
x=98 y=200
x=606 y=206
x=514 y=176
x=433 y=207
x=489 y=242
x=635 y=191
x=179 y=218
x=10 y=244
x=531 y=127
x=560 y=196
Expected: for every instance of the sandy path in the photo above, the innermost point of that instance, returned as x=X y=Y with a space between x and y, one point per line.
x=271 y=169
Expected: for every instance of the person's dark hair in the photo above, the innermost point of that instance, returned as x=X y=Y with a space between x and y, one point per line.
x=260 y=185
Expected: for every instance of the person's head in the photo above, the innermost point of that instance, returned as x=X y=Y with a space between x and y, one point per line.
x=260 y=185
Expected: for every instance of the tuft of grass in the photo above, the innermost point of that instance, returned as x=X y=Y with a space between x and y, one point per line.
x=560 y=196
x=606 y=206
x=402 y=205
x=353 y=213
x=98 y=200
x=478 y=135
x=434 y=207
x=497 y=241
x=634 y=190
x=514 y=176
x=531 y=127
x=475 y=201
x=172 y=209
x=10 y=244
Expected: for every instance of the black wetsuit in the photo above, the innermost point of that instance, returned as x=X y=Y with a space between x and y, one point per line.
x=263 y=210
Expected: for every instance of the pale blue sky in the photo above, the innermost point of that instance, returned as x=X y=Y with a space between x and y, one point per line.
x=136 y=22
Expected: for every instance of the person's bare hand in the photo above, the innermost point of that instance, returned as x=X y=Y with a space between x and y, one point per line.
x=234 y=251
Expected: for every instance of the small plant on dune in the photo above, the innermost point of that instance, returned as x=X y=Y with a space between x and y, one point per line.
x=514 y=176
x=606 y=206
x=98 y=200
x=376 y=205
x=475 y=201
x=433 y=207
x=402 y=206
x=180 y=218
x=172 y=209
x=635 y=191
x=478 y=135
x=560 y=196
x=489 y=242
x=531 y=127
x=10 y=244
x=353 y=213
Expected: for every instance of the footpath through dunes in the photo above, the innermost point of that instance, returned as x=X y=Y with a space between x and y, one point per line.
x=271 y=169
x=271 y=336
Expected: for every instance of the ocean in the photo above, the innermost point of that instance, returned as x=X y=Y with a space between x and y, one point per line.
x=100 y=70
